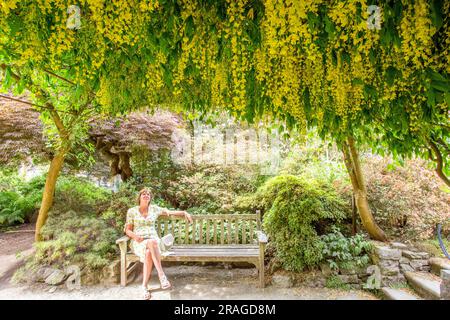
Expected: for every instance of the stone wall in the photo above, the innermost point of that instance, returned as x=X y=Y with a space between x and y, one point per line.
x=395 y=258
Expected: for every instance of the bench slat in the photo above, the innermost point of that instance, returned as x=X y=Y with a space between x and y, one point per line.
x=229 y=231
x=215 y=232
x=194 y=231
x=222 y=232
x=244 y=232
x=208 y=236
x=200 y=237
x=186 y=233
x=236 y=231
x=247 y=216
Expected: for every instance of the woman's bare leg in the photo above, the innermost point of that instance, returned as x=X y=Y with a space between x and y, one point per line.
x=148 y=266
x=153 y=246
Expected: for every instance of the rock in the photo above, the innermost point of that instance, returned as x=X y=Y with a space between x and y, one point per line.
x=438 y=264
x=52 y=289
x=282 y=280
x=41 y=274
x=417 y=264
x=90 y=277
x=393 y=280
x=404 y=260
x=399 y=245
x=405 y=267
x=349 y=278
x=389 y=267
x=445 y=284
x=326 y=269
x=398 y=294
x=347 y=271
x=415 y=255
x=425 y=269
x=57 y=277
x=384 y=252
x=111 y=273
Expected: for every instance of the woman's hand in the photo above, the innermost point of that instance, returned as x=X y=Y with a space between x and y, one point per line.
x=138 y=239
x=187 y=216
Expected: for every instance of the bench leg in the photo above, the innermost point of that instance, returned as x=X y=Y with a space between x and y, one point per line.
x=123 y=264
x=261 y=274
x=262 y=283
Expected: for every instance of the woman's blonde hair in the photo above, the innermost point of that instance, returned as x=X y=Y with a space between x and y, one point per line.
x=138 y=200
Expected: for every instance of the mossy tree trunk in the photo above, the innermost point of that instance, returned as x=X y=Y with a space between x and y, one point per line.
x=352 y=163
x=53 y=172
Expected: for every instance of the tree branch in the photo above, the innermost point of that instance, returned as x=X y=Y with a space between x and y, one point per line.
x=33 y=104
x=59 y=77
x=439 y=162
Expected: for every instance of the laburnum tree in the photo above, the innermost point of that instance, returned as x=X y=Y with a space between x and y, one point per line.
x=359 y=74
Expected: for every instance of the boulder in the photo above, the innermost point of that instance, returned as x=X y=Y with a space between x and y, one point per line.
x=282 y=280
x=111 y=273
x=41 y=274
x=57 y=277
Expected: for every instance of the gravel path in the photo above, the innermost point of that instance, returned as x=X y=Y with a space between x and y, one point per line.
x=189 y=282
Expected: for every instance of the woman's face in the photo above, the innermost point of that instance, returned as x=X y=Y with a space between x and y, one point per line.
x=146 y=197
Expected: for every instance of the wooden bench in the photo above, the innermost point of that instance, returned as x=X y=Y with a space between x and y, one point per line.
x=210 y=238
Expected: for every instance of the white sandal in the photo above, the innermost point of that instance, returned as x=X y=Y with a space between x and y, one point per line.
x=147 y=293
x=165 y=284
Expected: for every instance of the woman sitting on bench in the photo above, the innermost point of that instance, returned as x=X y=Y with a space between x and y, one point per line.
x=145 y=243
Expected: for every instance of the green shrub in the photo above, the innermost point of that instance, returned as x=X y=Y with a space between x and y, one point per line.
x=294 y=210
x=345 y=252
x=209 y=189
x=19 y=200
x=80 y=194
x=74 y=238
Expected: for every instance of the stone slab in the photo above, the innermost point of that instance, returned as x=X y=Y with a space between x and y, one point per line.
x=398 y=294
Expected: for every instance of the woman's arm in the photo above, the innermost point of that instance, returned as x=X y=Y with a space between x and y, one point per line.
x=181 y=214
x=129 y=232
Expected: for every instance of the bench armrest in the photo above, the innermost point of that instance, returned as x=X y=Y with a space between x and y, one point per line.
x=122 y=239
x=262 y=237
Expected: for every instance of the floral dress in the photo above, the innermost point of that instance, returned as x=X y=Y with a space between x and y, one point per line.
x=144 y=227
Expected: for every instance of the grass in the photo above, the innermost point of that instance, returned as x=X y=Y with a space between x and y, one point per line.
x=334 y=282
x=432 y=246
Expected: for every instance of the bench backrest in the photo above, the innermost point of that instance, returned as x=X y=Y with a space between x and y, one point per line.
x=212 y=229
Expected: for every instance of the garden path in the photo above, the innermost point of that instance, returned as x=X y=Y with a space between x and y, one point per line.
x=189 y=281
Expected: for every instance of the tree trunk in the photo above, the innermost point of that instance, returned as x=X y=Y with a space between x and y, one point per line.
x=351 y=159
x=49 y=191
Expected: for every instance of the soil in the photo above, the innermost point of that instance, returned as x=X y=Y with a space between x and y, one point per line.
x=17 y=239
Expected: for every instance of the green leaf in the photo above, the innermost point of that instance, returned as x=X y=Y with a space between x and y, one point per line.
x=189 y=28
x=436 y=13
x=391 y=74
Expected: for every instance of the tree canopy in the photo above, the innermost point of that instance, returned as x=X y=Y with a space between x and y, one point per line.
x=373 y=74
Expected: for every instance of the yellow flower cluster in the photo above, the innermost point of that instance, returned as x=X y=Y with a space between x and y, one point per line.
x=240 y=63
x=7 y=5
